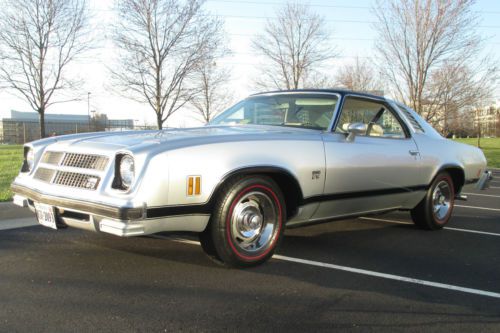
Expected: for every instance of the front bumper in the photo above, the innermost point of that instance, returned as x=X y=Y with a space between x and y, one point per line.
x=107 y=211
x=119 y=221
x=484 y=181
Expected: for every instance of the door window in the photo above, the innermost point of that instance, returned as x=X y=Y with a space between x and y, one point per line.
x=378 y=118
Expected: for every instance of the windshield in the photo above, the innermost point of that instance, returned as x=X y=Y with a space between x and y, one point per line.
x=313 y=112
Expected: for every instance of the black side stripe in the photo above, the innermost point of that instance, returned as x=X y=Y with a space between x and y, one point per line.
x=363 y=194
x=471 y=181
x=206 y=208
x=164 y=211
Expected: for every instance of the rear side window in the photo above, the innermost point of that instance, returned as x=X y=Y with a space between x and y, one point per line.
x=409 y=116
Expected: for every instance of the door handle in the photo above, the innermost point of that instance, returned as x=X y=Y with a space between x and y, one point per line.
x=413 y=152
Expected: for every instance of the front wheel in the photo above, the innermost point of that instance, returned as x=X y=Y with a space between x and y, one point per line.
x=247 y=223
x=434 y=211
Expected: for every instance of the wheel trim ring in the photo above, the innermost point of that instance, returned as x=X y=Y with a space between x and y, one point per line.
x=274 y=238
x=449 y=201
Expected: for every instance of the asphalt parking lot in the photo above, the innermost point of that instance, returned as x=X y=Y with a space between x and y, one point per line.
x=376 y=273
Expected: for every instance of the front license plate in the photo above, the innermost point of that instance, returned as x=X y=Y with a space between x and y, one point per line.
x=45 y=215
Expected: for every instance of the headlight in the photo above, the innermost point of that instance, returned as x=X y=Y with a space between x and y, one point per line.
x=127 y=171
x=29 y=159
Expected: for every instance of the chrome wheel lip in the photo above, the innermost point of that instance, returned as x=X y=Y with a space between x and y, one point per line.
x=442 y=200
x=254 y=222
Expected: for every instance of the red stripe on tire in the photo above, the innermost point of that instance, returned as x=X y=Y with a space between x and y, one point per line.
x=228 y=223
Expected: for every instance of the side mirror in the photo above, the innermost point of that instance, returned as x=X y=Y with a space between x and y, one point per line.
x=356 y=129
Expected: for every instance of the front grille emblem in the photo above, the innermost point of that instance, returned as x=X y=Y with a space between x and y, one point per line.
x=91 y=183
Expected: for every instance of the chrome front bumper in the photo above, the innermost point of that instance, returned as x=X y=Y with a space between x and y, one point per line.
x=484 y=181
x=118 y=213
x=119 y=221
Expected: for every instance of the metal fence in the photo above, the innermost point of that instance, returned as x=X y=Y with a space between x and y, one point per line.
x=19 y=132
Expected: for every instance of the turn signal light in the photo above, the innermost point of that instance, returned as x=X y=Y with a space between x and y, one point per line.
x=194 y=185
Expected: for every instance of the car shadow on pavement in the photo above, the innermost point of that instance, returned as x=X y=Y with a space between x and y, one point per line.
x=404 y=250
x=146 y=264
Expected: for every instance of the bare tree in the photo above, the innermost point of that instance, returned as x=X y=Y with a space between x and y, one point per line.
x=213 y=97
x=454 y=90
x=294 y=45
x=38 y=41
x=161 y=43
x=359 y=76
x=423 y=43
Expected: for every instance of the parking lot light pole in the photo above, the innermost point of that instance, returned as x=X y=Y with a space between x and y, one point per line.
x=94 y=121
x=88 y=107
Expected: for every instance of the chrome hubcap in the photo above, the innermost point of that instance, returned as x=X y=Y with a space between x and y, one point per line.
x=441 y=200
x=254 y=222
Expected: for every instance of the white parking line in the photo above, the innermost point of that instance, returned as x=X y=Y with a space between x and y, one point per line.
x=176 y=239
x=447 y=228
x=389 y=276
x=483 y=195
x=363 y=272
x=482 y=208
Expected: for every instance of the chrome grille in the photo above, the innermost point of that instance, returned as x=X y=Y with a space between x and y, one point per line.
x=74 y=160
x=52 y=157
x=44 y=174
x=85 y=161
x=79 y=180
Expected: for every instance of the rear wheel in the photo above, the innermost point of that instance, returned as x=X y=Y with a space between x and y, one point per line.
x=247 y=223
x=434 y=211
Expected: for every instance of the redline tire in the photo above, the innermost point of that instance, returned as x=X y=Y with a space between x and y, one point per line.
x=434 y=211
x=247 y=224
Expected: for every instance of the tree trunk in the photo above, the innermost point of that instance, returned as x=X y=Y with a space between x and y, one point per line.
x=478 y=130
x=159 y=121
x=41 y=113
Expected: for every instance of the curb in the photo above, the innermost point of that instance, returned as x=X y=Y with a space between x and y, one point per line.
x=18 y=223
x=9 y=211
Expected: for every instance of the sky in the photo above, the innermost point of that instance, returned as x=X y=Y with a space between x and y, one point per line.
x=350 y=23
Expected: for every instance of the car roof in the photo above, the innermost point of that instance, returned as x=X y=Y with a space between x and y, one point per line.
x=322 y=91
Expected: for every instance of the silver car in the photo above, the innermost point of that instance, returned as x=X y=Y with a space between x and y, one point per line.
x=274 y=160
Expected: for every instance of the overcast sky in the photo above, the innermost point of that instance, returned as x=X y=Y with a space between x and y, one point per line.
x=350 y=22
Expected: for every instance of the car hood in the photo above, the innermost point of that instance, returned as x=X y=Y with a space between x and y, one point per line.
x=175 y=138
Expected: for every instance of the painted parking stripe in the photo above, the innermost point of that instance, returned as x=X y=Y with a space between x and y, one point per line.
x=176 y=239
x=482 y=208
x=364 y=272
x=389 y=276
x=483 y=195
x=447 y=228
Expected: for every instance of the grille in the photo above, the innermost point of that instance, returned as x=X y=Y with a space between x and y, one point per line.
x=79 y=180
x=71 y=179
x=85 y=161
x=44 y=174
x=52 y=157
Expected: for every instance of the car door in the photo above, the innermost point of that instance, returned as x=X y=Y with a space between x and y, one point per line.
x=374 y=171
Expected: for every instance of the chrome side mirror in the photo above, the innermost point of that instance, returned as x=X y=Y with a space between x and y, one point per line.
x=356 y=129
